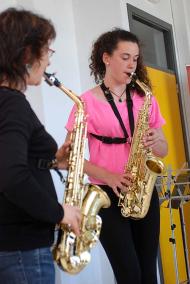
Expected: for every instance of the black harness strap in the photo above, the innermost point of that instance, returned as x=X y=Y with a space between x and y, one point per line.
x=130 y=111
x=44 y=164
x=118 y=140
x=110 y=140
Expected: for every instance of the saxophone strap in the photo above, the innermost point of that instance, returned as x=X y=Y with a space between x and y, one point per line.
x=130 y=111
x=45 y=164
x=109 y=98
x=110 y=140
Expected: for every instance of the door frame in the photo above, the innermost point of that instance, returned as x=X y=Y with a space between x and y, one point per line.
x=167 y=29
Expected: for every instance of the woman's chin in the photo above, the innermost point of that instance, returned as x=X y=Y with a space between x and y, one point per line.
x=38 y=82
x=128 y=81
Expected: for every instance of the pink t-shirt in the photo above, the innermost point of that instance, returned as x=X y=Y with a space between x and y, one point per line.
x=102 y=121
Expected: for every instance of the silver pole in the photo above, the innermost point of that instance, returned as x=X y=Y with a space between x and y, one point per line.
x=184 y=232
x=173 y=241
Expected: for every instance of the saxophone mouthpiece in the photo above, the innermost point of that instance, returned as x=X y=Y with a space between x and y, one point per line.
x=132 y=76
x=51 y=80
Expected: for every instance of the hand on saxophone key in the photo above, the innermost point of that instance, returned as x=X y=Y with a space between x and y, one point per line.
x=72 y=218
x=151 y=138
x=118 y=182
x=62 y=156
x=156 y=141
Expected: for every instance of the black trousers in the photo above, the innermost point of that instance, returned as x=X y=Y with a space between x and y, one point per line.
x=131 y=245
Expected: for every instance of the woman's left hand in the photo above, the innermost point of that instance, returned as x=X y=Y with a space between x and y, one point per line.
x=62 y=156
x=156 y=141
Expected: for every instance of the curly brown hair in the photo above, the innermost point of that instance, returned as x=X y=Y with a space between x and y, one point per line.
x=23 y=37
x=108 y=42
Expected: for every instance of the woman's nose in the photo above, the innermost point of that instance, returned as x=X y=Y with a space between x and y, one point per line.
x=131 y=63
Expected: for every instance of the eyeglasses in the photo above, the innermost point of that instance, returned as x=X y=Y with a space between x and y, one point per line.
x=50 y=52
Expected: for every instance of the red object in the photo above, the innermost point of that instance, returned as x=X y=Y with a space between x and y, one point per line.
x=188 y=75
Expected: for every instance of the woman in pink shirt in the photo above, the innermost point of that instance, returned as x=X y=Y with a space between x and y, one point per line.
x=130 y=245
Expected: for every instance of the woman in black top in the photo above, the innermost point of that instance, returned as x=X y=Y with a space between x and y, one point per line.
x=29 y=208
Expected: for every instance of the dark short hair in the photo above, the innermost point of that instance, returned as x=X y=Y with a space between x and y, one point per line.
x=107 y=42
x=23 y=35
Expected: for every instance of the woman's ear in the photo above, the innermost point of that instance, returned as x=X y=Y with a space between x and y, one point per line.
x=106 y=58
x=27 y=55
x=28 y=67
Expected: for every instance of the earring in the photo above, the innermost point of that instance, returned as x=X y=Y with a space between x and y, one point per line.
x=107 y=63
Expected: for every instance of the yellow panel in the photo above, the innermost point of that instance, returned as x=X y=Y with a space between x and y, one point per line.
x=165 y=91
x=167 y=254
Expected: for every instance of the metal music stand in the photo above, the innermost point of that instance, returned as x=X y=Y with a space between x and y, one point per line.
x=175 y=188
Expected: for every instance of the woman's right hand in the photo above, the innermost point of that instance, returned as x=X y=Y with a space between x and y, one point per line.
x=72 y=218
x=118 y=181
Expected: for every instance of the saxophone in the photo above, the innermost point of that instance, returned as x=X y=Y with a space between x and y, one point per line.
x=143 y=166
x=71 y=252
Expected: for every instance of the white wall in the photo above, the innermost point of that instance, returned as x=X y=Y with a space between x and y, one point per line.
x=78 y=23
x=91 y=19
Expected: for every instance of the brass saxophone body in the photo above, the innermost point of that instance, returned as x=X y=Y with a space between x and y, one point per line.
x=71 y=252
x=142 y=164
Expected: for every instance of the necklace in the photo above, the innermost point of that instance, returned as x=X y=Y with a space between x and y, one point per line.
x=118 y=96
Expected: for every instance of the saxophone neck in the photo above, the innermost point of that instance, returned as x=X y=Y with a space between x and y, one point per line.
x=72 y=96
x=51 y=80
x=144 y=87
x=141 y=84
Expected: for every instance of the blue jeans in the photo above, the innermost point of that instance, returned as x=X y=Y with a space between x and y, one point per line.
x=27 y=267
